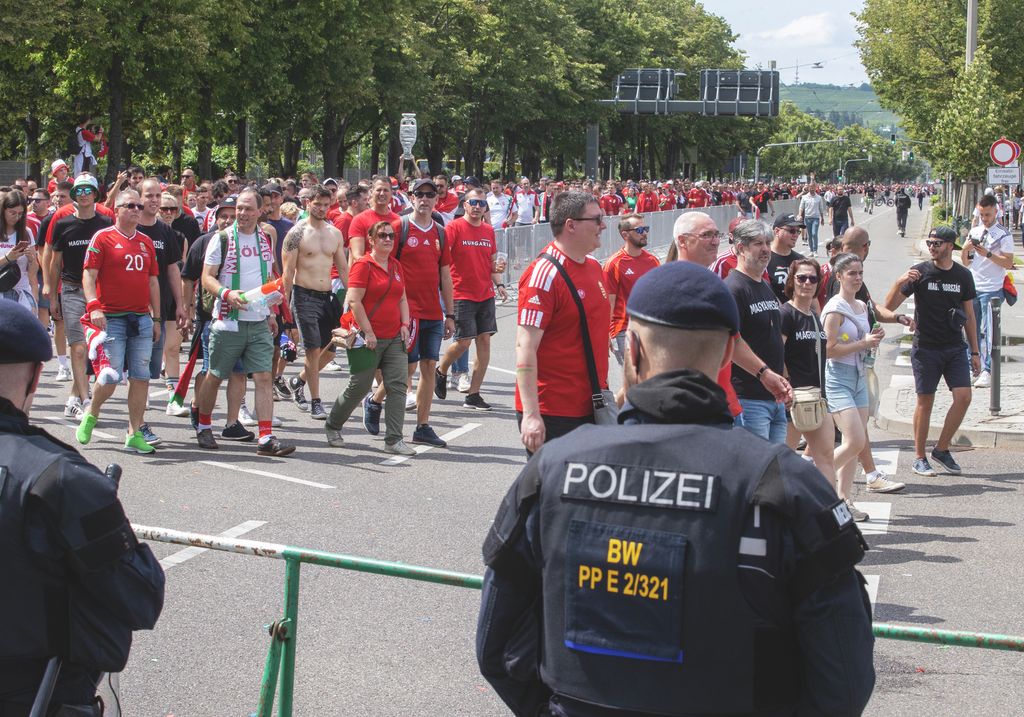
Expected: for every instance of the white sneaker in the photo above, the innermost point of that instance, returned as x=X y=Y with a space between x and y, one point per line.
x=399 y=448
x=63 y=374
x=74 y=408
x=453 y=380
x=331 y=367
x=464 y=383
x=878 y=483
x=174 y=409
x=410 y=402
x=984 y=380
x=245 y=417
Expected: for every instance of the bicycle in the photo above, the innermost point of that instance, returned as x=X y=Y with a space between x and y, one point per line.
x=885 y=201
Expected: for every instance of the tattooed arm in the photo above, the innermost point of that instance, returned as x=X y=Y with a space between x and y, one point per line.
x=290 y=255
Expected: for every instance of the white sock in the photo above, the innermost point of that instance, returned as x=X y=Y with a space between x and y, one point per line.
x=62 y=361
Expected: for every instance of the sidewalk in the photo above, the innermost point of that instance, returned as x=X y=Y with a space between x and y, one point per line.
x=979 y=428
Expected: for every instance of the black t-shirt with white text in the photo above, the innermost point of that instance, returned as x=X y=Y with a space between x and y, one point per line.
x=805 y=359
x=168 y=252
x=71 y=237
x=760 y=327
x=778 y=272
x=936 y=293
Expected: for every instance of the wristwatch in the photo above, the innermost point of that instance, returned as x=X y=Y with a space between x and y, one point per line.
x=760 y=371
x=450 y=316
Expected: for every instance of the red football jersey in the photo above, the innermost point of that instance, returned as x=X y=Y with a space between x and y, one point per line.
x=124 y=265
x=421 y=259
x=472 y=257
x=378 y=282
x=620 y=273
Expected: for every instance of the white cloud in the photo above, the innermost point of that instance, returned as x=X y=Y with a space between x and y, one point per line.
x=817 y=30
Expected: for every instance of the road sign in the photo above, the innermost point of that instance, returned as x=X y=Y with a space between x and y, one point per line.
x=1004 y=175
x=1004 y=151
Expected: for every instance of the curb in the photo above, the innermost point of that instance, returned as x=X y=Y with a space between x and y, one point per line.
x=888 y=419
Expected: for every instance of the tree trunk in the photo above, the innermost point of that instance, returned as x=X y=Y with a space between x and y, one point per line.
x=115 y=89
x=176 y=157
x=35 y=165
x=241 y=154
x=560 y=167
x=274 y=167
x=394 y=149
x=204 y=156
x=375 y=151
x=505 y=173
x=330 y=142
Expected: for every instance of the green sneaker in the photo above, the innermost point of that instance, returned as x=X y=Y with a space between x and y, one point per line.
x=84 y=432
x=136 y=442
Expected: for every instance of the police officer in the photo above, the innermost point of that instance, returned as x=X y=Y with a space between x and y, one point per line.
x=674 y=565
x=77 y=583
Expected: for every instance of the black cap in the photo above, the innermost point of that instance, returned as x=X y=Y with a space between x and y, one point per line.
x=471 y=182
x=226 y=203
x=271 y=188
x=330 y=180
x=684 y=295
x=22 y=338
x=425 y=182
x=943 y=233
x=786 y=220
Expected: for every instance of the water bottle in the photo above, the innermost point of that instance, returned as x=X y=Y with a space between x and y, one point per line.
x=872 y=354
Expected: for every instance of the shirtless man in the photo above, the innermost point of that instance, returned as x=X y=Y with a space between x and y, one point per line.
x=311 y=247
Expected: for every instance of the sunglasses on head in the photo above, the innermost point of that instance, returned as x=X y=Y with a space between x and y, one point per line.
x=807 y=278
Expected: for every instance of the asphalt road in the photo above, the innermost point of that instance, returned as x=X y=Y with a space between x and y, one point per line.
x=944 y=554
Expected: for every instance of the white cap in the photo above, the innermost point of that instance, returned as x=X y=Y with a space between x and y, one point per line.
x=57 y=164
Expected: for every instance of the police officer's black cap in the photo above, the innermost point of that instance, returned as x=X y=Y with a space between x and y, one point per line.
x=943 y=233
x=22 y=338
x=684 y=295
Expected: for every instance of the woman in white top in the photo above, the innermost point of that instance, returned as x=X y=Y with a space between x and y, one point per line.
x=849 y=337
x=16 y=246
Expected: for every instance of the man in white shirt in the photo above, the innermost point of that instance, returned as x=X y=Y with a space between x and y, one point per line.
x=499 y=204
x=988 y=254
x=812 y=209
x=524 y=203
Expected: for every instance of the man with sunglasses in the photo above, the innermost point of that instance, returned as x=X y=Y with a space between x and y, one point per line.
x=944 y=294
x=621 y=272
x=71 y=237
x=785 y=229
x=499 y=205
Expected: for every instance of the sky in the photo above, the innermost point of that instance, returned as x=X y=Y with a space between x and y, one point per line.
x=797 y=33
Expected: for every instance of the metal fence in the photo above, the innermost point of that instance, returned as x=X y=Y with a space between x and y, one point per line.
x=524 y=244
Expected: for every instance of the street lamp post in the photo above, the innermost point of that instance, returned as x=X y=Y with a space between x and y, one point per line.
x=757 y=156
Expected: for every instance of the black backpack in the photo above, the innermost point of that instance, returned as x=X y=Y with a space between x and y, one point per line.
x=74 y=146
x=404 y=236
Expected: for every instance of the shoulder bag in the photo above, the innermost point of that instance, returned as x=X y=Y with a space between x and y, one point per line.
x=809 y=407
x=606 y=411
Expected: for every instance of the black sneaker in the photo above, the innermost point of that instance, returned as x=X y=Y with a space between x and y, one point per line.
x=316 y=410
x=274 y=447
x=440 y=384
x=281 y=390
x=425 y=434
x=237 y=432
x=298 y=393
x=945 y=459
x=474 y=401
x=206 y=440
x=193 y=417
x=371 y=416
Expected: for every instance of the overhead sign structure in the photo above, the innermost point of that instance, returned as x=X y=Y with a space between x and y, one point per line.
x=1003 y=175
x=723 y=93
x=1004 y=152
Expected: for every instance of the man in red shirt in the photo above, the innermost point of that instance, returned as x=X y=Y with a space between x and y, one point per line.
x=611 y=203
x=122 y=298
x=697 y=197
x=475 y=274
x=648 y=200
x=553 y=392
x=621 y=271
x=357 y=199
x=379 y=211
x=447 y=201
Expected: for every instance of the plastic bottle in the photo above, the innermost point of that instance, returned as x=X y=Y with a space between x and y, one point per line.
x=872 y=354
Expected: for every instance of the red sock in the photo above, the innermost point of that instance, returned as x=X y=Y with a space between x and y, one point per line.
x=265 y=429
x=205 y=421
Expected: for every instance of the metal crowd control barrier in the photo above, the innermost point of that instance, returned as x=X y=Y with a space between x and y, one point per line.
x=279 y=670
x=524 y=243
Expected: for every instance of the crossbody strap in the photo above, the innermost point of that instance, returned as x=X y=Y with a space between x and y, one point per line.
x=819 y=328
x=588 y=349
x=382 y=296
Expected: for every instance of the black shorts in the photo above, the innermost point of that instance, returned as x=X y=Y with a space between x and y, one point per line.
x=317 y=313
x=473 y=318
x=932 y=364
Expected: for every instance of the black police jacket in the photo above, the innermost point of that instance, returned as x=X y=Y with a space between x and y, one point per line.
x=77 y=582
x=663 y=567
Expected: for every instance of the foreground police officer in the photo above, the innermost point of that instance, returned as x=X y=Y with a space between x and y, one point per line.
x=674 y=565
x=76 y=581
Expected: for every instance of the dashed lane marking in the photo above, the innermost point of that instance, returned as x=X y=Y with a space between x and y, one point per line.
x=872 y=588
x=450 y=436
x=188 y=553
x=878 y=523
x=501 y=370
x=268 y=474
x=903 y=360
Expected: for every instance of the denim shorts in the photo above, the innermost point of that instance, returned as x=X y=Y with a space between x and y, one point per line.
x=72 y=305
x=845 y=387
x=126 y=352
x=427 y=346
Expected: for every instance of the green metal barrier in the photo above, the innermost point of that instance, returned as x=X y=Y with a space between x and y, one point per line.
x=279 y=671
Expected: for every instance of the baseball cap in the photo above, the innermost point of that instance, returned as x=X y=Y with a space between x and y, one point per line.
x=786 y=220
x=330 y=180
x=425 y=182
x=943 y=233
x=271 y=188
x=684 y=295
x=227 y=203
x=471 y=181
x=22 y=338
x=57 y=164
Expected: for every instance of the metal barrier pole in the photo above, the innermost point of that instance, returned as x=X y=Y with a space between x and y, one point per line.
x=268 y=685
x=1011 y=643
x=995 y=342
x=291 y=615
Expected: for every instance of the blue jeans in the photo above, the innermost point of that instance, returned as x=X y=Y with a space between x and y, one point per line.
x=461 y=364
x=839 y=226
x=132 y=352
x=812 y=224
x=764 y=418
x=156 y=357
x=983 y=319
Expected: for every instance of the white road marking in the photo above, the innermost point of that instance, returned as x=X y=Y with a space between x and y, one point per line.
x=872 y=588
x=267 y=474
x=161 y=392
x=450 y=436
x=878 y=523
x=902 y=380
x=500 y=370
x=188 y=553
x=101 y=434
x=903 y=360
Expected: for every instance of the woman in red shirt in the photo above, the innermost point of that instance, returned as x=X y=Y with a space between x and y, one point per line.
x=376 y=298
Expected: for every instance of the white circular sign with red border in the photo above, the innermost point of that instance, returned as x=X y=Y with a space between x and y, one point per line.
x=1004 y=152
